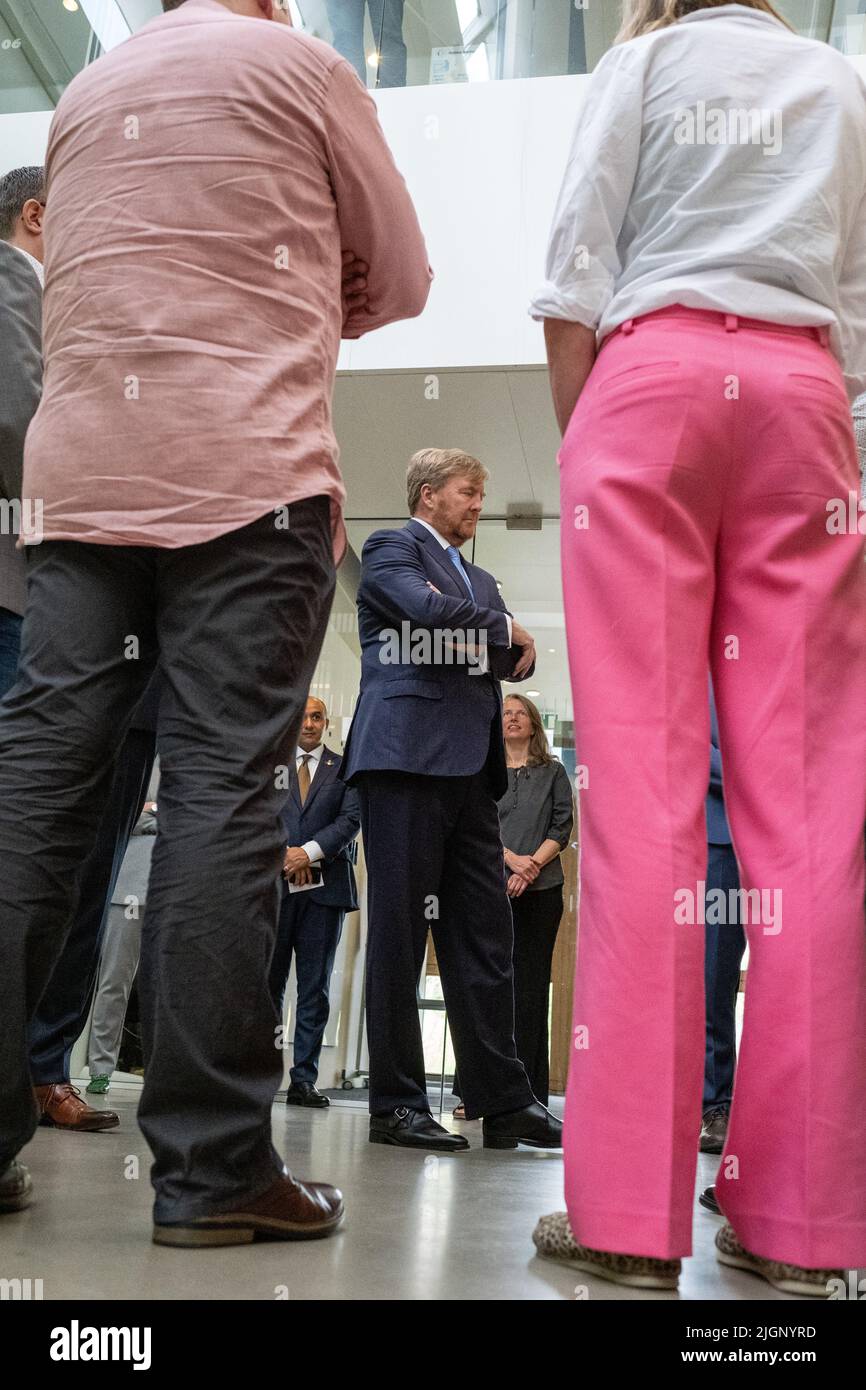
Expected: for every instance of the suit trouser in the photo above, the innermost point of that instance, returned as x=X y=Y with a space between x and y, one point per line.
x=121 y=950
x=61 y=1015
x=705 y=453
x=725 y=945
x=434 y=860
x=237 y=624
x=311 y=931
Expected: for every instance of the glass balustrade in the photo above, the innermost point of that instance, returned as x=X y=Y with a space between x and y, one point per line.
x=391 y=43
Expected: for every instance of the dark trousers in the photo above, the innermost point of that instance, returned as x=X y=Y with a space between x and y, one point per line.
x=62 y=1011
x=10 y=647
x=536 y=923
x=536 y=918
x=434 y=859
x=725 y=945
x=311 y=931
x=236 y=624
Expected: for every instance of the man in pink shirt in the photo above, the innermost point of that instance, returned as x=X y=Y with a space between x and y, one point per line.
x=211 y=183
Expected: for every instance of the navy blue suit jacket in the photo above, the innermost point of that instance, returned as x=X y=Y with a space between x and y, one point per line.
x=331 y=816
x=431 y=717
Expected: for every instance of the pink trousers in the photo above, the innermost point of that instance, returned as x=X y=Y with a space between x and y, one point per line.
x=697 y=472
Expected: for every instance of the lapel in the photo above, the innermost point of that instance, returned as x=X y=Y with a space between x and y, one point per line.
x=433 y=551
x=326 y=772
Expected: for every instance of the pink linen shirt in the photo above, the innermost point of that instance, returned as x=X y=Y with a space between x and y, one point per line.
x=202 y=181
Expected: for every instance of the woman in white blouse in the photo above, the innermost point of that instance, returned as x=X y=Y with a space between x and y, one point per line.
x=705 y=318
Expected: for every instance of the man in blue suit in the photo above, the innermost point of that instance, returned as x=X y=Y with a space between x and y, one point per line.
x=425 y=750
x=321 y=820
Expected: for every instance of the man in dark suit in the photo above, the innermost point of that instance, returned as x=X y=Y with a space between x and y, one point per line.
x=321 y=819
x=426 y=753
x=22 y=204
x=64 y=1005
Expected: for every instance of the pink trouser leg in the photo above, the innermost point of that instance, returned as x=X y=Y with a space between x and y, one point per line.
x=691 y=529
x=792 y=725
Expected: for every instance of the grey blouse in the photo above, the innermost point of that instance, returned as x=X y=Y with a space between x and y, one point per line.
x=537 y=806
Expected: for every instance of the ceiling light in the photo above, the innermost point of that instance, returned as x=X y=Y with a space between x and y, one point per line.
x=533 y=694
x=373 y=59
x=71 y=5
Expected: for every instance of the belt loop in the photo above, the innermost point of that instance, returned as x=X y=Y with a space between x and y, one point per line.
x=732 y=323
x=628 y=326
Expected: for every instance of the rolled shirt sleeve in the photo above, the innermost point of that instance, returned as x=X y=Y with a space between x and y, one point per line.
x=582 y=256
x=377 y=217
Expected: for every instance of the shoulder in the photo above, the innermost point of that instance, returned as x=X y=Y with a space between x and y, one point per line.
x=401 y=540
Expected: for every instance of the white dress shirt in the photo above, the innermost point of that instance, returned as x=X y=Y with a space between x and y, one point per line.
x=37 y=265
x=767 y=224
x=312 y=847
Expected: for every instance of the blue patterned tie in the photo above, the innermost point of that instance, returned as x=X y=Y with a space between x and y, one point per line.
x=454 y=556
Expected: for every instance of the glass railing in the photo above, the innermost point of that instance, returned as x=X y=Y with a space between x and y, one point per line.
x=391 y=43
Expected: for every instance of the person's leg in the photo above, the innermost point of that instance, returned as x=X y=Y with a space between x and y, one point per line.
x=120 y=953
x=386 y=20
x=402 y=822
x=789 y=673
x=10 y=648
x=474 y=945
x=59 y=731
x=62 y=1011
x=725 y=945
x=643 y=467
x=281 y=962
x=240 y=622
x=536 y=924
x=346 y=18
x=316 y=939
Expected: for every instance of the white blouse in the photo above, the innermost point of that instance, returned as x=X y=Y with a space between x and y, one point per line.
x=719 y=163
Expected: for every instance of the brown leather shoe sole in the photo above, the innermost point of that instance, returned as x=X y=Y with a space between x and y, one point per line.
x=101 y=1119
x=235 y=1229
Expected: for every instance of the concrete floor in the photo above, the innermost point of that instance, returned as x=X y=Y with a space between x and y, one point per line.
x=417 y=1227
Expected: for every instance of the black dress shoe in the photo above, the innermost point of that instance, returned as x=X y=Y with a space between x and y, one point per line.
x=414 y=1129
x=16 y=1189
x=305 y=1093
x=708 y=1199
x=533 y=1125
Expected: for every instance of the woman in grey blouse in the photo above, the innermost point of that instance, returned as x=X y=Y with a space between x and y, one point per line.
x=536 y=818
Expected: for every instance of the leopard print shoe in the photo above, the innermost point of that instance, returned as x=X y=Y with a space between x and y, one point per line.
x=554 y=1241
x=809 y=1283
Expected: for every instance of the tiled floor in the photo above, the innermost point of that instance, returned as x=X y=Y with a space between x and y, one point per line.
x=417 y=1227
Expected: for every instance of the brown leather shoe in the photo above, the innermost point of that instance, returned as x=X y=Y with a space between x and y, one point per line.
x=287 y=1210
x=62 y=1107
x=714 y=1129
x=16 y=1189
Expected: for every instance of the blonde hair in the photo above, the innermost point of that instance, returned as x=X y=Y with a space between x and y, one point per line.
x=643 y=16
x=435 y=467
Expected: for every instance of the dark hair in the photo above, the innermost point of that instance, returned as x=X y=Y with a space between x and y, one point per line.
x=171 y=5
x=16 y=188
